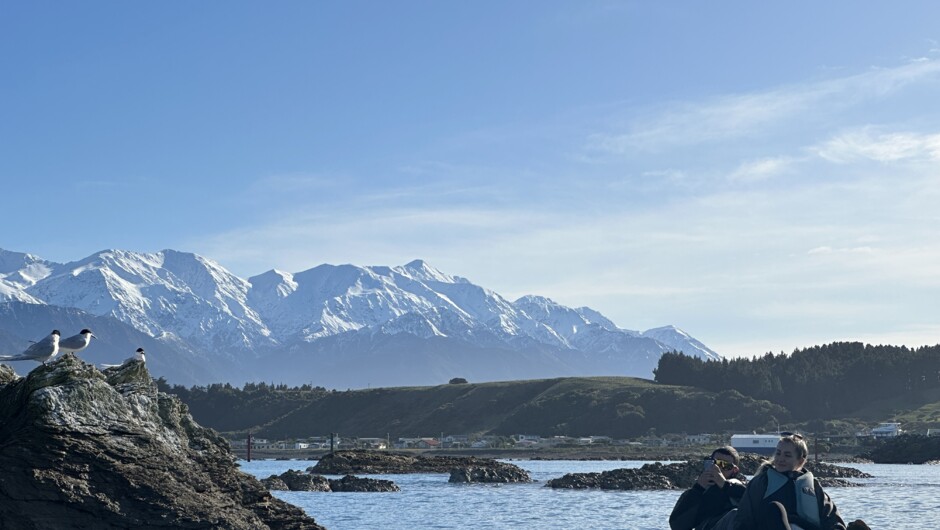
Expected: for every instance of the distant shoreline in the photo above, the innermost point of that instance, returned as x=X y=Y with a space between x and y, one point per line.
x=565 y=453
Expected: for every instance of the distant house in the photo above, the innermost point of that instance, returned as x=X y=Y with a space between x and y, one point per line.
x=285 y=446
x=428 y=443
x=456 y=440
x=698 y=439
x=555 y=440
x=527 y=437
x=886 y=430
x=480 y=444
x=373 y=443
x=262 y=443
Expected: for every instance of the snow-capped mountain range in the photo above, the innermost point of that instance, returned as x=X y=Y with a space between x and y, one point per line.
x=332 y=325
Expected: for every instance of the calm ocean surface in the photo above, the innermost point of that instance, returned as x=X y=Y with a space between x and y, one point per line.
x=899 y=497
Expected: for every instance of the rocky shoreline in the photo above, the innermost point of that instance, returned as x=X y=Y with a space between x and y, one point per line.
x=81 y=448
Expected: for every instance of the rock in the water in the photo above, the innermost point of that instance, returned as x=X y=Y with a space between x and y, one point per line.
x=495 y=472
x=274 y=483
x=618 y=479
x=301 y=481
x=682 y=475
x=381 y=462
x=81 y=449
x=350 y=483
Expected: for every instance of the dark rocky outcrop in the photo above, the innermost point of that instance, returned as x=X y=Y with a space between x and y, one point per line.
x=381 y=462
x=84 y=449
x=274 y=483
x=492 y=473
x=655 y=476
x=357 y=484
x=682 y=475
x=293 y=480
x=906 y=449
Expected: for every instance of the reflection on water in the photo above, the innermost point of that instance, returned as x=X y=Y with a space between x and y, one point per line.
x=898 y=498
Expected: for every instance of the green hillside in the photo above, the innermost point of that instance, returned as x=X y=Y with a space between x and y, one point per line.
x=835 y=389
x=610 y=406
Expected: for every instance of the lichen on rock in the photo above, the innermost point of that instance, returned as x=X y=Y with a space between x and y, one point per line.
x=86 y=449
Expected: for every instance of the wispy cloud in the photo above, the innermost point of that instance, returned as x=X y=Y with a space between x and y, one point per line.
x=761 y=169
x=869 y=144
x=851 y=250
x=733 y=116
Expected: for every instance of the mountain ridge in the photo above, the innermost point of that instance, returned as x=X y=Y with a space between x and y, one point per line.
x=252 y=325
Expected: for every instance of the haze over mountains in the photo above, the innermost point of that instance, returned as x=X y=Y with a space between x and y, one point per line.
x=338 y=326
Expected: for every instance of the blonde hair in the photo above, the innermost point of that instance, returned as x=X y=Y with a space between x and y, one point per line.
x=798 y=442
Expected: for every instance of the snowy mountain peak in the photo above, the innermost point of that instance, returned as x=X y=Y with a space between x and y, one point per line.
x=194 y=302
x=679 y=340
x=279 y=282
x=420 y=270
x=18 y=271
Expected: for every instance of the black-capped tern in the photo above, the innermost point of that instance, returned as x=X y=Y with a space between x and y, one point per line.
x=41 y=351
x=76 y=343
x=138 y=356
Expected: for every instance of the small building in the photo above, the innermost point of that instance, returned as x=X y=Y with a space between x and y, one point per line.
x=698 y=439
x=762 y=444
x=407 y=443
x=428 y=443
x=373 y=443
x=886 y=430
x=456 y=440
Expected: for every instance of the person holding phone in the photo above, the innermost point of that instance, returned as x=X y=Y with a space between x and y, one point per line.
x=711 y=503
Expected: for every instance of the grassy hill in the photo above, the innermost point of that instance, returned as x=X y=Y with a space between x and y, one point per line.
x=577 y=406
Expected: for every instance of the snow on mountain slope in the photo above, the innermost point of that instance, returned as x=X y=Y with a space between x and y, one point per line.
x=679 y=340
x=166 y=292
x=19 y=271
x=187 y=299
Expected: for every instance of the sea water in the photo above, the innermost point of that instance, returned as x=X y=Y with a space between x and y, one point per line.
x=899 y=497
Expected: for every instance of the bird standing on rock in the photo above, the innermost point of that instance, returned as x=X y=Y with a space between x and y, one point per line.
x=41 y=351
x=138 y=356
x=76 y=343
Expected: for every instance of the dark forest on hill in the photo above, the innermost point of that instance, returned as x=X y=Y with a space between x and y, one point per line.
x=821 y=382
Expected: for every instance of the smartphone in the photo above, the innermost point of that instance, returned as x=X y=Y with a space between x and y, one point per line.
x=708 y=463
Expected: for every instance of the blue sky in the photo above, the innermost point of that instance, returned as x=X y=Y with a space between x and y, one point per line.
x=764 y=177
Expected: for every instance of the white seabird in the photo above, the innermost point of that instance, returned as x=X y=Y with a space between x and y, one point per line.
x=40 y=351
x=138 y=356
x=76 y=343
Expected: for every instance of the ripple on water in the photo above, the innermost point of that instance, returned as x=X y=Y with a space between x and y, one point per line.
x=899 y=498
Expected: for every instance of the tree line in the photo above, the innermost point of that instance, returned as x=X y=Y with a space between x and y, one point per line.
x=816 y=383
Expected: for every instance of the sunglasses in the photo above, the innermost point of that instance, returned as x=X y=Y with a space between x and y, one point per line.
x=792 y=435
x=723 y=465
